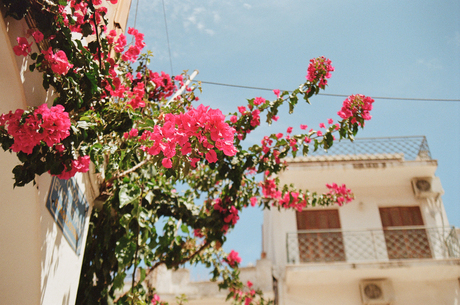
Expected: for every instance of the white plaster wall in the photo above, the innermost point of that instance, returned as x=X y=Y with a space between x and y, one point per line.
x=348 y=293
x=60 y=265
x=19 y=213
x=37 y=265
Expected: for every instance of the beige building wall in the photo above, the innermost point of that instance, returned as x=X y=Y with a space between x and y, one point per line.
x=37 y=264
x=383 y=181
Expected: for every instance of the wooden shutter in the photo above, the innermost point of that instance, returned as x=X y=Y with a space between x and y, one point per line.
x=404 y=243
x=316 y=244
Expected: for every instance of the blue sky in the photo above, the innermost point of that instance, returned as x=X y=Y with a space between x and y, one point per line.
x=378 y=48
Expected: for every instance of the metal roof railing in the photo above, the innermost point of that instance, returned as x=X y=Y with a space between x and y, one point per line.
x=412 y=147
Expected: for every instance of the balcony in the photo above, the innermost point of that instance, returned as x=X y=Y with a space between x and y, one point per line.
x=372 y=246
x=410 y=148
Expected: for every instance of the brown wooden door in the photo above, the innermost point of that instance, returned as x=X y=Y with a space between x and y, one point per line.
x=404 y=243
x=319 y=246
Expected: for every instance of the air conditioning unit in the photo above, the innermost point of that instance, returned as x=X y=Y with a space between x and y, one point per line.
x=426 y=187
x=376 y=292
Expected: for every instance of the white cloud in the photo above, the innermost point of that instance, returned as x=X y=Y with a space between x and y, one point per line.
x=432 y=64
x=198 y=18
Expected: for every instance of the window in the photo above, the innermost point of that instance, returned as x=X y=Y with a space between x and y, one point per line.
x=319 y=236
x=404 y=243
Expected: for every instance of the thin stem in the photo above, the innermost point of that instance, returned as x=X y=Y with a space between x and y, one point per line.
x=135 y=264
x=129 y=171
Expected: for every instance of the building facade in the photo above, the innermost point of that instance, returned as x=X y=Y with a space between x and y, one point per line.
x=391 y=245
x=41 y=239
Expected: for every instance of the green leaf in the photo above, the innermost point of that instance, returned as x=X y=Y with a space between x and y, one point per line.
x=86 y=30
x=184 y=228
x=305 y=150
x=149 y=197
x=128 y=194
x=119 y=280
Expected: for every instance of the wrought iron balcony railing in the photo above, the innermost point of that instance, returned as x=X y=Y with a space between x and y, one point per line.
x=376 y=245
x=412 y=148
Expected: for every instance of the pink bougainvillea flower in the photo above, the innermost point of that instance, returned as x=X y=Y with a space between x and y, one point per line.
x=356 y=106
x=211 y=156
x=242 y=109
x=166 y=162
x=44 y=124
x=289 y=130
x=319 y=133
x=58 y=62
x=303 y=127
x=277 y=93
x=156 y=298
x=23 y=47
x=275 y=118
x=253 y=201
x=318 y=70
x=330 y=121
x=38 y=36
x=55 y=125
x=59 y=147
x=233 y=258
x=81 y=165
x=341 y=193
x=321 y=125
x=198 y=233
x=259 y=100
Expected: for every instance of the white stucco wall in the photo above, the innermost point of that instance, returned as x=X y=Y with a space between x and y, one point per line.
x=37 y=264
x=348 y=293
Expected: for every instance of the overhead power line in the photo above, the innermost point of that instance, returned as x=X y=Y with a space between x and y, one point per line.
x=338 y=95
x=167 y=37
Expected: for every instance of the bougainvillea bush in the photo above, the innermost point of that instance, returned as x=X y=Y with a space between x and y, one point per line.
x=112 y=110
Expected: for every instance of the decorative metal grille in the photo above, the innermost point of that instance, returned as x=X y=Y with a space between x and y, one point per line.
x=413 y=148
x=375 y=245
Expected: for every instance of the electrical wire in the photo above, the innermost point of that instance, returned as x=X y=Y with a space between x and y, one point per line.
x=167 y=37
x=135 y=15
x=337 y=95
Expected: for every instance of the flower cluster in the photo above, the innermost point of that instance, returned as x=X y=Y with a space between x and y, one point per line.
x=293 y=200
x=341 y=193
x=134 y=50
x=318 y=70
x=29 y=129
x=81 y=165
x=164 y=87
x=79 y=14
x=296 y=200
x=230 y=214
x=24 y=47
x=356 y=106
x=58 y=62
x=137 y=96
x=156 y=299
x=197 y=131
x=233 y=258
x=239 y=295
